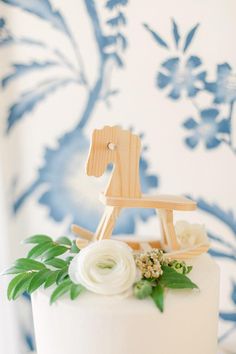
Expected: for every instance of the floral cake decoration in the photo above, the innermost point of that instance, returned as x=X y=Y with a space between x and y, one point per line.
x=107 y=267
x=94 y=262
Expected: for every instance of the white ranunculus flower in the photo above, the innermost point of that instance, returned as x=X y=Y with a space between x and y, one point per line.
x=190 y=235
x=104 y=267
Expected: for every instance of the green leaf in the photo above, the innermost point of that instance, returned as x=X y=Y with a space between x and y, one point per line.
x=13 y=270
x=171 y=279
x=64 y=241
x=56 y=263
x=39 y=249
x=69 y=259
x=19 y=285
x=74 y=248
x=142 y=289
x=13 y=283
x=29 y=264
x=61 y=290
x=62 y=274
x=22 y=265
x=54 y=252
x=75 y=290
x=38 y=279
x=189 y=268
x=38 y=239
x=158 y=296
x=51 y=279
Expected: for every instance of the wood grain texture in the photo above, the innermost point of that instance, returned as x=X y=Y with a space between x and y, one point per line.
x=107 y=223
x=169 y=229
x=80 y=231
x=189 y=253
x=169 y=202
x=124 y=180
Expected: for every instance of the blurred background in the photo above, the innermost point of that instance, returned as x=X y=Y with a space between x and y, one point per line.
x=167 y=71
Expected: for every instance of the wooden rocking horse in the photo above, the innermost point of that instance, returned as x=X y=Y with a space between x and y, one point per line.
x=122 y=149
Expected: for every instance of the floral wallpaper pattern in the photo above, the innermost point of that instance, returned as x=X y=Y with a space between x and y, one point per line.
x=180 y=76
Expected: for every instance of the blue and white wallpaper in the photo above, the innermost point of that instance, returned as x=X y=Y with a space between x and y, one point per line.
x=165 y=70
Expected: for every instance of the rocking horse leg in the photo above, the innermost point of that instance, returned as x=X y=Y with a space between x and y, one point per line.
x=100 y=226
x=107 y=223
x=169 y=230
x=163 y=233
x=80 y=231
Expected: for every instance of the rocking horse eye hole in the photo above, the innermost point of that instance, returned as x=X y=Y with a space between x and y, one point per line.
x=111 y=146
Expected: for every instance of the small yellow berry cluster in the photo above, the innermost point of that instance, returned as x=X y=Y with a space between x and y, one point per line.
x=149 y=263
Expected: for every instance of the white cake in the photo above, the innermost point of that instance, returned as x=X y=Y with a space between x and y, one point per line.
x=97 y=324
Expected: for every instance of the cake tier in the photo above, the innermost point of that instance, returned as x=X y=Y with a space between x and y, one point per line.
x=95 y=324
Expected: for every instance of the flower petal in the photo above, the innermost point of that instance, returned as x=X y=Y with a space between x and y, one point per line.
x=105 y=267
x=193 y=62
x=192 y=91
x=192 y=141
x=163 y=80
x=212 y=143
x=211 y=86
x=201 y=76
x=175 y=92
x=223 y=69
x=224 y=126
x=210 y=113
x=220 y=97
x=190 y=124
x=171 y=64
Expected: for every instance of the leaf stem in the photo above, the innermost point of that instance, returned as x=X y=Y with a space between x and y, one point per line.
x=80 y=62
x=227 y=333
x=95 y=91
x=231 y=108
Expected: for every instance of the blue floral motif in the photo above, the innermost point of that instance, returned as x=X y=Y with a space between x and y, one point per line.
x=44 y=10
x=63 y=170
x=223 y=249
x=108 y=45
x=224 y=88
x=181 y=76
x=178 y=73
x=2 y=22
x=230 y=316
x=111 y=4
x=65 y=196
x=209 y=129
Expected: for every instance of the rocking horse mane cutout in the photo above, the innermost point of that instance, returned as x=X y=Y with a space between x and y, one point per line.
x=121 y=148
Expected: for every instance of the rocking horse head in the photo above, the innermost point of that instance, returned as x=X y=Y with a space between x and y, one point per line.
x=122 y=149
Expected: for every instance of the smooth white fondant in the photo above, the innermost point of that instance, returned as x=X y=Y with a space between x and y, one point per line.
x=96 y=324
x=105 y=267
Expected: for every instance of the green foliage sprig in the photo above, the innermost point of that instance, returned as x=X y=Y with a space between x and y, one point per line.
x=172 y=275
x=43 y=266
x=48 y=261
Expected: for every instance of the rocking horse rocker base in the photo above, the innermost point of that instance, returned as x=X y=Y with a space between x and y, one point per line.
x=122 y=148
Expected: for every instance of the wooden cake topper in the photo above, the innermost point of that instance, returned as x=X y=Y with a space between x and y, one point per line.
x=122 y=148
